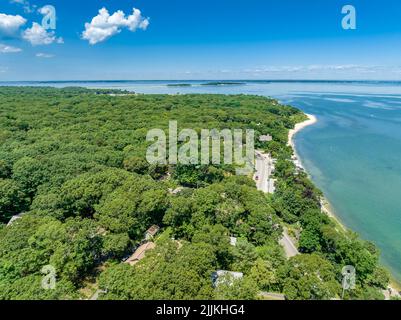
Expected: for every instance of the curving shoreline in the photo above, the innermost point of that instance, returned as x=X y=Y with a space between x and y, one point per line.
x=394 y=285
x=298 y=127
x=326 y=207
x=325 y=204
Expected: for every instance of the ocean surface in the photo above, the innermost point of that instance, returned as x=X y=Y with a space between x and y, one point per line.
x=353 y=153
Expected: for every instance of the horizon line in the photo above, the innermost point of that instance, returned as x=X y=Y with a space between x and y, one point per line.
x=201 y=80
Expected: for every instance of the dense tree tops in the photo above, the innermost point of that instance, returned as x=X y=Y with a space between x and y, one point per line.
x=73 y=161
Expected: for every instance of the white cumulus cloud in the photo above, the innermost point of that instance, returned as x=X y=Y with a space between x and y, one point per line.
x=10 y=24
x=44 y=55
x=37 y=35
x=315 y=69
x=25 y=4
x=104 y=25
x=8 y=49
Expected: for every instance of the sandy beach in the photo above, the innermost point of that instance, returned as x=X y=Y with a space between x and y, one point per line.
x=298 y=127
x=394 y=286
x=326 y=207
x=293 y=132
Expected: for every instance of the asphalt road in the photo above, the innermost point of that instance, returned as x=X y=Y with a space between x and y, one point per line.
x=263 y=167
x=289 y=246
x=261 y=177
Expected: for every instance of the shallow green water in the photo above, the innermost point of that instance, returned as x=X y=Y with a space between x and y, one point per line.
x=354 y=155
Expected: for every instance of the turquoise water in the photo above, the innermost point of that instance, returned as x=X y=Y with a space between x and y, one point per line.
x=353 y=153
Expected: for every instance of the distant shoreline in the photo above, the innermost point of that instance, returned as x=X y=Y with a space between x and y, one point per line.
x=356 y=81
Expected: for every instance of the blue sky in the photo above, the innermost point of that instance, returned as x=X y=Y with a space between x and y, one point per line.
x=209 y=39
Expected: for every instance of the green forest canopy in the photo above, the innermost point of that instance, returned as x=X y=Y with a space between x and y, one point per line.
x=73 y=162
